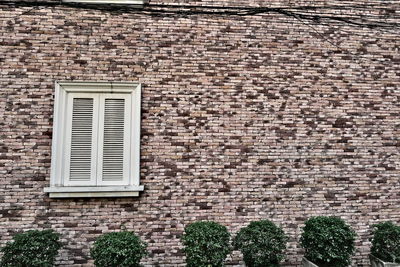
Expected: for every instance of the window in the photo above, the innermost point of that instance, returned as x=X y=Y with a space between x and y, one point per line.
x=96 y=138
x=138 y=3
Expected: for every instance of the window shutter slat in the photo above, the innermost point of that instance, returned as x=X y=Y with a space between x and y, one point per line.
x=113 y=142
x=81 y=139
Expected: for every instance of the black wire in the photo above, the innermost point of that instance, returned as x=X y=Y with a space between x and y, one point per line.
x=202 y=7
x=308 y=13
x=308 y=7
x=296 y=13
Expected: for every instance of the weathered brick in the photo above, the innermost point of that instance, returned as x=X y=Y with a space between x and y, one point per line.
x=243 y=118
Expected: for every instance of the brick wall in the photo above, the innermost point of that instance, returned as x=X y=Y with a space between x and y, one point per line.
x=243 y=118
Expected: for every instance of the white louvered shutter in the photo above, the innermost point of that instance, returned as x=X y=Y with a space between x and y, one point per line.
x=82 y=124
x=114 y=140
x=81 y=139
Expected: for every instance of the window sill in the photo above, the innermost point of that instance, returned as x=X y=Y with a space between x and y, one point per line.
x=138 y=3
x=93 y=191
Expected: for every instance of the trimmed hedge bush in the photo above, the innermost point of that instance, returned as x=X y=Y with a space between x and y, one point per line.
x=32 y=248
x=262 y=243
x=120 y=249
x=206 y=244
x=386 y=242
x=328 y=241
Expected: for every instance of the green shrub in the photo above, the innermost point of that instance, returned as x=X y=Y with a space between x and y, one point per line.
x=262 y=244
x=120 y=249
x=206 y=244
x=386 y=242
x=328 y=241
x=31 y=248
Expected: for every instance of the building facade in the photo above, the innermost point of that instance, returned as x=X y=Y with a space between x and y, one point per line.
x=248 y=110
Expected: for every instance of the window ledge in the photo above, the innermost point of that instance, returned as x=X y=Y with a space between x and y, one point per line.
x=93 y=191
x=138 y=3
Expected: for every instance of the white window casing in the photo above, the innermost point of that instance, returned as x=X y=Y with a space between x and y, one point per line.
x=96 y=139
x=135 y=3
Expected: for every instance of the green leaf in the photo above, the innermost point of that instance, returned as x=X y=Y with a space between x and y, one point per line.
x=121 y=249
x=32 y=248
x=328 y=240
x=262 y=243
x=386 y=242
x=206 y=244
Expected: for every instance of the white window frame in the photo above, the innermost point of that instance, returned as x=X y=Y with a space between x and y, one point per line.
x=136 y=3
x=59 y=186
